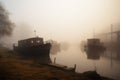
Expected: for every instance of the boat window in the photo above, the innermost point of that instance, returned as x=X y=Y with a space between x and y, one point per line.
x=31 y=41
x=38 y=41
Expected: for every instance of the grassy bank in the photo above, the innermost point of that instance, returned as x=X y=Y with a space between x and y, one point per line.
x=15 y=68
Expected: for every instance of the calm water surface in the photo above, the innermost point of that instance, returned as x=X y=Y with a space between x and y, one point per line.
x=105 y=65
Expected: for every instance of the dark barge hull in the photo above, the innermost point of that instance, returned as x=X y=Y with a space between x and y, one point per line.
x=37 y=52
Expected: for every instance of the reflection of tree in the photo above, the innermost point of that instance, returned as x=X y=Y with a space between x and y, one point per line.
x=55 y=47
x=82 y=45
x=64 y=46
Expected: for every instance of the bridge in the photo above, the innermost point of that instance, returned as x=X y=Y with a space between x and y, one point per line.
x=111 y=33
x=113 y=38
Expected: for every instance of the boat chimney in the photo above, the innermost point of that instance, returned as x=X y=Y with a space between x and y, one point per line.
x=93 y=33
x=35 y=33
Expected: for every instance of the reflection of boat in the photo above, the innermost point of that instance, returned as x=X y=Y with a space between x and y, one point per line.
x=94 y=45
x=33 y=48
x=93 y=55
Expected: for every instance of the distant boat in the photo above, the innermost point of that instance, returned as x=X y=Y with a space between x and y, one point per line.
x=33 y=48
x=94 y=44
x=94 y=48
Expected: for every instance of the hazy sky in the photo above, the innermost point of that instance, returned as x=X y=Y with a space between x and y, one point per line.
x=62 y=19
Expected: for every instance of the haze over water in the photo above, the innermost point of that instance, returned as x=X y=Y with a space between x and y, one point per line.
x=70 y=21
x=104 y=64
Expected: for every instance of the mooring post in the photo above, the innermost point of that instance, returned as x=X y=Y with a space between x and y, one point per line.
x=54 y=60
x=74 y=67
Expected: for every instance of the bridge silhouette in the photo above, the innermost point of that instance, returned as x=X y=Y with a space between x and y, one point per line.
x=112 y=40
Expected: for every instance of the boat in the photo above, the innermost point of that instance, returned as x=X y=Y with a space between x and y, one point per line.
x=94 y=48
x=94 y=44
x=34 y=48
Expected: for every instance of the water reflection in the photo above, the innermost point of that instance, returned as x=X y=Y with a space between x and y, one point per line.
x=87 y=61
x=112 y=54
x=94 y=48
x=64 y=46
x=57 y=47
x=95 y=55
x=82 y=46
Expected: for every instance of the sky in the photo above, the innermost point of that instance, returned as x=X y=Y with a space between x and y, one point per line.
x=61 y=20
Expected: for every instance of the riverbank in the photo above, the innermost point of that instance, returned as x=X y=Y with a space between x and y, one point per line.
x=16 y=68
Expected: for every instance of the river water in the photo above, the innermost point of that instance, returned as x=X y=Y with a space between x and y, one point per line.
x=105 y=64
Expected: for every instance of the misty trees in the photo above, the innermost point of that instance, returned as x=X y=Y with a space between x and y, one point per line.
x=6 y=25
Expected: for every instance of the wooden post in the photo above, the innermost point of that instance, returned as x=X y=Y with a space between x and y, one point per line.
x=74 y=67
x=54 y=60
x=111 y=42
x=111 y=32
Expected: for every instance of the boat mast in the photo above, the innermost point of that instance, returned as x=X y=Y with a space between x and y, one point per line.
x=93 y=33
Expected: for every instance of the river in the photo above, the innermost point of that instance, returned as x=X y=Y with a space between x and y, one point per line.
x=104 y=64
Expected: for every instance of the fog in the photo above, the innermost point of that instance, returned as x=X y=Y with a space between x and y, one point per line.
x=61 y=20
x=67 y=24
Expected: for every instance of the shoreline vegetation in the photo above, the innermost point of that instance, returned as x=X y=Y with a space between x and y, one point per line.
x=13 y=67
